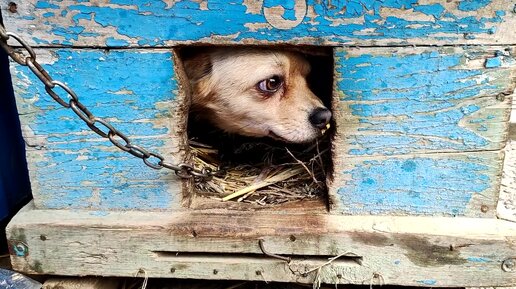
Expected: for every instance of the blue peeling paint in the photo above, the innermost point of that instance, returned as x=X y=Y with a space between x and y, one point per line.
x=413 y=102
x=46 y=5
x=48 y=14
x=493 y=62
x=479 y=259
x=122 y=86
x=473 y=5
x=428 y=282
x=435 y=10
x=112 y=42
x=39 y=41
x=153 y=23
x=417 y=186
x=288 y=7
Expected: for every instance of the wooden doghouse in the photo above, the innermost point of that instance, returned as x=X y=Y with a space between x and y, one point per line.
x=423 y=188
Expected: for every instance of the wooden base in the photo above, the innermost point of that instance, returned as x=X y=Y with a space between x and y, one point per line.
x=415 y=251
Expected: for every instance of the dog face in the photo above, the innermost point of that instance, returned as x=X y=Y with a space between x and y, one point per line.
x=256 y=92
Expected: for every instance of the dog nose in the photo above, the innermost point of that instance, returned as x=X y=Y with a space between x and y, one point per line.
x=320 y=117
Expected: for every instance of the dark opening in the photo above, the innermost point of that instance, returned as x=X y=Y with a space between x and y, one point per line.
x=246 y=162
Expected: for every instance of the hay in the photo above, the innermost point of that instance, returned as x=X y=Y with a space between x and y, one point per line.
x=263 y=173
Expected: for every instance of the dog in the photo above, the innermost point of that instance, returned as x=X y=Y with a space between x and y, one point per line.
x=256 y=92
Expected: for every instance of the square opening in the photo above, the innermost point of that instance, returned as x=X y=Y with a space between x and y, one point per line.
x=258 y=172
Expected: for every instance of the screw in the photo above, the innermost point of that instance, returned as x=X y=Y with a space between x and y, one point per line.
x=292 y=238
x=194 y=233
x=258 y=272
x=12 y=7
x=508 y=265
x=215 y=271
x=484 y=208
x=43 y=237
x=20 y=249
x=339 y=276
x=172 y=270
x=500 y=97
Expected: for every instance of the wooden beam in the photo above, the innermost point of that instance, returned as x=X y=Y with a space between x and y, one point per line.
x=161 y=24
x=415 y=251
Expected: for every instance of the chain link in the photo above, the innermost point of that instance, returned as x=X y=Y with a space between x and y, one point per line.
x=97 y=125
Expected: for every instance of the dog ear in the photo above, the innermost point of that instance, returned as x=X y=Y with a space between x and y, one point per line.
x=197 y=66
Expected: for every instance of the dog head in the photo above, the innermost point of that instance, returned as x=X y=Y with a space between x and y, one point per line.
x=256 y=92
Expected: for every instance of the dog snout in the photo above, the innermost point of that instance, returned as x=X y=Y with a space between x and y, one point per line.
x=320 y=117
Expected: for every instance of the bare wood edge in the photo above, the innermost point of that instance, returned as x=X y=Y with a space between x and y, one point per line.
x=506 y=208
x=181 y=119
x=415 y=251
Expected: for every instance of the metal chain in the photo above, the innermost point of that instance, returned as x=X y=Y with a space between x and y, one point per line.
x=97 y=125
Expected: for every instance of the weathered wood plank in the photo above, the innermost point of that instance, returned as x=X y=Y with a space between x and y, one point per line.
x=163 y=23
x=461 y=184
x=506 y=208
x=420 y=130
x=419 y=251
x=72 y=167
x=394 y=101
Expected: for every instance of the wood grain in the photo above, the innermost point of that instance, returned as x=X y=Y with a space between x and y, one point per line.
x=506 y=208
x=127 y=23
x=420 y=131
x=72 y=167
x=420 y=251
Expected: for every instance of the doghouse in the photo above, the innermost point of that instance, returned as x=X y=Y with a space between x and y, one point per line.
x=422 y=179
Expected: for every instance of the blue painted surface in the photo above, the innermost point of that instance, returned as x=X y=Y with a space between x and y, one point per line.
x=493 y=62
x=414 y=102
x=399 y=103
x=79 y=169
x=479 y=259
x=472 y=5
x=112 y=42
x=428 y=282
x=156 y=22
x=418 y=185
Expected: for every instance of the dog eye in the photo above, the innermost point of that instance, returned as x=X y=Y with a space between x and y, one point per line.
x=270 y=85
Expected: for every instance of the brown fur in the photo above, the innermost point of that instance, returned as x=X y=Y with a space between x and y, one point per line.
x=225 y=91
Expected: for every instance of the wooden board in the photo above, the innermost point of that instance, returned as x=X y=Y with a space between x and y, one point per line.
x=72 y=167
x=506 y=208
x=127 y=23
x=387 y=128
x=393 y=101
x=420 y=130
x=417 y=251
